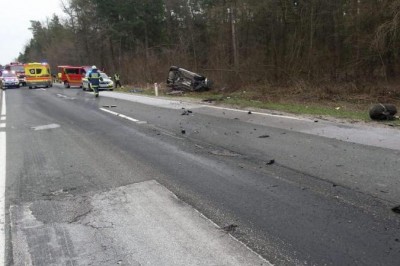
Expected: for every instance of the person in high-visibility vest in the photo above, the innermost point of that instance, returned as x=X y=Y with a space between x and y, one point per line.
x=94 y=80
x=117 y=80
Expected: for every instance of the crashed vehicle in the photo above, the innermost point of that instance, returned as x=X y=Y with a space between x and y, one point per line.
x=182 y=79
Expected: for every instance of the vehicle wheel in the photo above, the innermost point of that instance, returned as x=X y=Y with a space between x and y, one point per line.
x=18 y=86
x=111 y=89
x=30 y=87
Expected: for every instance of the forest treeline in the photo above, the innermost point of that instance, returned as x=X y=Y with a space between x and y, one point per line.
x=234 y=42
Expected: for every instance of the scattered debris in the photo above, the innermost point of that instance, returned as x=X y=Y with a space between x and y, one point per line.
x=396 y=209
x=183 y=131
x=236 y=118
x=175 y=92
x=224 y=153
x=315 y=121
x=136 y=91
x=249 y=113
x=270 y=162
x=381 y=112
x=263 y=136
x=230 y=228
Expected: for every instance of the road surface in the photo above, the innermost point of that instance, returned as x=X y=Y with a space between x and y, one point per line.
x=134 y=180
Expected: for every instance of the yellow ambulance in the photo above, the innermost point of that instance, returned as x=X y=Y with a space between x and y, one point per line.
x=38 y=74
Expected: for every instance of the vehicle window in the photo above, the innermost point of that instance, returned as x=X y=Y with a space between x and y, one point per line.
x=8 y=75
x=72 y=71
x=17 y=68
x=104 y=75
x=38 y=71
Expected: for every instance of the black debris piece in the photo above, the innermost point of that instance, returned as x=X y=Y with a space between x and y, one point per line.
x=183 y=131
x=316 y=121
x=236 y=118
x=396 y=209
x=270 y=162
x=230 y=228
x=185 y=113
x=382 y=112
x=263 y=136
x=249 y=113
x=208 y=100
x=397 y=240
x=334 y=185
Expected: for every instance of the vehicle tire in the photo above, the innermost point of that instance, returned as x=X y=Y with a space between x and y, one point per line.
x=67 y=85
x=30 y=87
x=111 y=89
x=18 y=86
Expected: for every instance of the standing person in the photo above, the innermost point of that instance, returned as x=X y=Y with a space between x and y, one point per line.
x=94 y=80
x=117 y=80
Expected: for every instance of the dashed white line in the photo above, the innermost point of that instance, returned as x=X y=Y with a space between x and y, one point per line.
x=44 y=127
x=123 y=116
x=2 y=182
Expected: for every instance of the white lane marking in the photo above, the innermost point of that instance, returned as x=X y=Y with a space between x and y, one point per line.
x=124 y=116
x=2 y=183
x=2 y=125
x=65 y=97
x=51 y=126
x=3 y=105
x=3 y=118
x=257 y=113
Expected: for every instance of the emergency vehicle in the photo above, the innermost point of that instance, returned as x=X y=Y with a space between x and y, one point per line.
x=71 y=75
x=38 y=74
x=18 y=69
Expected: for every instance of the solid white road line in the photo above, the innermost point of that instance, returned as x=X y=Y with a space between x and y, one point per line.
x=3 y=105
x=2 y=183
x=3 y=118
x=257 y=113
x=123 y=116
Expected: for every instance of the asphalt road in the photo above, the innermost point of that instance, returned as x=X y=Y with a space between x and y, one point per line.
x=296 y=191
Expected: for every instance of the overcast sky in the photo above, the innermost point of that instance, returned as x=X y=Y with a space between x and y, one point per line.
x=15 y=16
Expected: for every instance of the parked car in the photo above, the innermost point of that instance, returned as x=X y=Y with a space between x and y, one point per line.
x=9 y=80
x=182 y=79
x=106 y=82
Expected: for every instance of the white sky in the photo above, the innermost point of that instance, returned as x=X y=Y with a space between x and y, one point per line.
x=15 y=16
